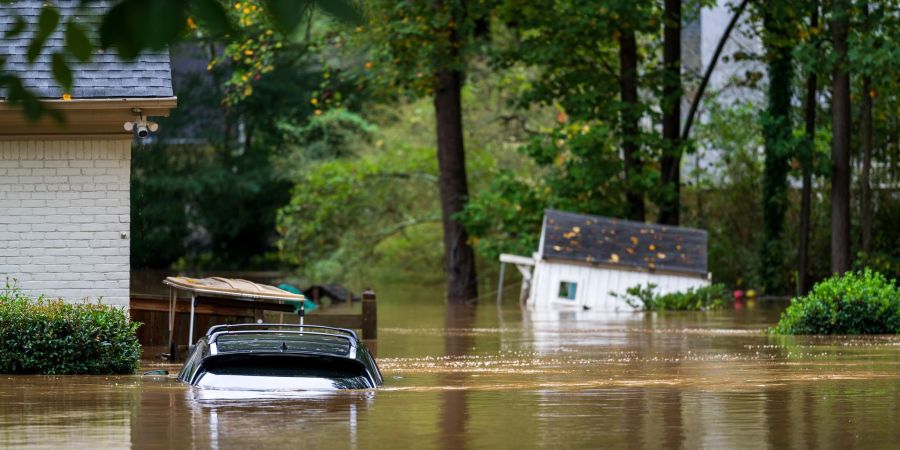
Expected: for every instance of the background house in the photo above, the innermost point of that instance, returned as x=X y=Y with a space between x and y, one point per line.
x=64 y=188
x=582 y=258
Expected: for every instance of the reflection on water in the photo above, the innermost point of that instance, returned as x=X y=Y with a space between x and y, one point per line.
x=483 y=378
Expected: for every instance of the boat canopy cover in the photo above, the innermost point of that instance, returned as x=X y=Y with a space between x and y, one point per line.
x=231 y=287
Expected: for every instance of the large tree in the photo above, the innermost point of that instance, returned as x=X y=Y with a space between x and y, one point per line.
x=840 y=143
x=670 y=163
x=422 y=48
x=866 y=129
x=630 y=117
x=459 y=258
x=777 y=128
x=807 y=152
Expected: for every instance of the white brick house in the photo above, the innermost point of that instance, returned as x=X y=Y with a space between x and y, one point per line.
x=64 y=188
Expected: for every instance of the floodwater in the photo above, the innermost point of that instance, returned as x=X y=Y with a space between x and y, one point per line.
x=508 y=378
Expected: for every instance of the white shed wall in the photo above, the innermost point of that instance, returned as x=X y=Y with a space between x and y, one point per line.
x=64 y=205
x=595 y=284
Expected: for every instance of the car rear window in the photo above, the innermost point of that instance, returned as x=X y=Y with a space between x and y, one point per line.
x=286 y=342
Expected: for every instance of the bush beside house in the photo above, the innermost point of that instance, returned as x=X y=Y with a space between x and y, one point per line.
x=43 y=336
x=856 y=303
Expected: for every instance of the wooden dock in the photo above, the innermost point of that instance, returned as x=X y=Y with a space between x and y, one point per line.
x=152 y=310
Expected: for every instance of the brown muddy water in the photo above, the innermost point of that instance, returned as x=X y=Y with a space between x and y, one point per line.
x=508 y=378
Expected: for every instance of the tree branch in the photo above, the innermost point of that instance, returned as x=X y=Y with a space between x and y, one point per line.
x=712 y=64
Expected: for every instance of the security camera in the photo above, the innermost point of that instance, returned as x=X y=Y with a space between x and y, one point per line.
x=141 y=128
x=142 y=131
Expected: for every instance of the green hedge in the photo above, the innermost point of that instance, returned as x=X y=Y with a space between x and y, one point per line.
x=694 y=299
x=42 y=336
x=856 y=303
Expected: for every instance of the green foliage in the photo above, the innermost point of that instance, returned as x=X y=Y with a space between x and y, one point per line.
x=207 y=206
x=885 y=255
x=406 y=42
x=210 y=203
x=856 y=303
x=338 y=214
x=337 y=133
x=722 y=197
x=579 y=171
x=506 y=217
x=51 y=337
x=705 y=298
x=573 y=44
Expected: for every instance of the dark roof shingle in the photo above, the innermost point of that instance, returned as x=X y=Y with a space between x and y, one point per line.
x=104 y=77
x=621 y=243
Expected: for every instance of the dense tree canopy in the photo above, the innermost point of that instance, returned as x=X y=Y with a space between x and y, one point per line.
x=415 y=129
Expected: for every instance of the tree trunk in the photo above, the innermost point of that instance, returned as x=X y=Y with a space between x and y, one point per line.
x=459 y=259
x=840 y=141
x=777 y=133
x=630 y=116
x=670 y=163
x=807 y=164
x=866 y=189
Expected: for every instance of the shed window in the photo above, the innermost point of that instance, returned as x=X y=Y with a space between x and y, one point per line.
x=567 y=290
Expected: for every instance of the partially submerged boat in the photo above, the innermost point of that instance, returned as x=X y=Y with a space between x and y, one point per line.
x=278 y=357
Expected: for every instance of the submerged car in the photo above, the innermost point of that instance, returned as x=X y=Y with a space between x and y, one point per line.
x=280 y=357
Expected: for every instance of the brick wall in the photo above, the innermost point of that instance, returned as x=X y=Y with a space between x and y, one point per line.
x=64 y=205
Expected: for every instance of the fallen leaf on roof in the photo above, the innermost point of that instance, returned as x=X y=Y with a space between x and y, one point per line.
x=557 y=248
x=661 y=255
x=614 y=258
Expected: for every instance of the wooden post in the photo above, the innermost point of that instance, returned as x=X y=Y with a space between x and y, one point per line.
x=173 y=304
x=500 y=282
x=369 y=315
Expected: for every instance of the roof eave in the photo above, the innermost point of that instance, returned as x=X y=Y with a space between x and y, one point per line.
x=628 y=268
x=105 y=119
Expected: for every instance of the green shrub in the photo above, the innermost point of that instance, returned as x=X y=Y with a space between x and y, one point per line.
x=694 y=299
x=856 y=303
x=52 y=337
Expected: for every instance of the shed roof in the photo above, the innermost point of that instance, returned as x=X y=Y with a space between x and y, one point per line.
x=106 y=76
x=610 y=242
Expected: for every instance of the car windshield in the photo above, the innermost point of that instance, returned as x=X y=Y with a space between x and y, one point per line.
x=286 y=342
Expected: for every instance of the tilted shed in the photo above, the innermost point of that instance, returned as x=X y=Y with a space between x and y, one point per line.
x=583 y=259
x=64 y=187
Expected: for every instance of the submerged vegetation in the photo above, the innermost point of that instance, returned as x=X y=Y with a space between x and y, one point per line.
x=51 y=337
x=863 y=302
x=705 y=298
